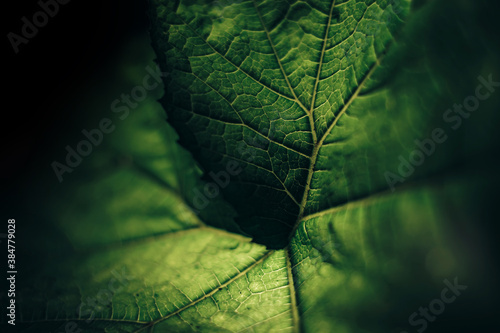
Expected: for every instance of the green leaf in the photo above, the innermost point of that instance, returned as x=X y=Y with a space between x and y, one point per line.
x=277 y=214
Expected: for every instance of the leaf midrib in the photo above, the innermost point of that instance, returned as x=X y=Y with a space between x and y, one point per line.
x=320 y=66
x=318 y=146
x=293 y=294
x=313 y=158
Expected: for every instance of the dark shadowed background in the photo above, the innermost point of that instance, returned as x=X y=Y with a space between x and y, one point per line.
x=78 y=58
